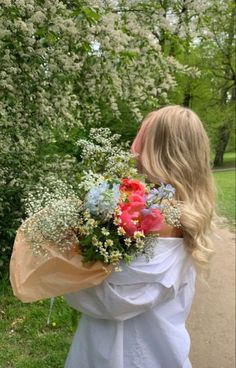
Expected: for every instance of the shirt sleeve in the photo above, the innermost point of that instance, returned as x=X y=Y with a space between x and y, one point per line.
x=137 y=289
x=108 y=301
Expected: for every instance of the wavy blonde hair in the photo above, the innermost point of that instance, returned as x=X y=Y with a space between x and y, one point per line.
x=173 y=147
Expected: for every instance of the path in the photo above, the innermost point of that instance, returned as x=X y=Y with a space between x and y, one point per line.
x=224 y=169
x=212 y=319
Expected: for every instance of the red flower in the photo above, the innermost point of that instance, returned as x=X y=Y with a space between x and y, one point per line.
x=131 y=213
x=134 y=206
x=152 y=222
x=127 y=223
x=131 y=185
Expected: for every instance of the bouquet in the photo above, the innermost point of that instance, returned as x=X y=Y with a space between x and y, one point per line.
x=77 y=239
x=113 y=223
x=120 y=218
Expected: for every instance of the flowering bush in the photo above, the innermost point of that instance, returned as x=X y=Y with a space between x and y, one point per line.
x=69 y=64
x=103 y=152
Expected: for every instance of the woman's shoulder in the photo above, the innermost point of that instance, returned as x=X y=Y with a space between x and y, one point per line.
x=168 y=259
x=170 y=231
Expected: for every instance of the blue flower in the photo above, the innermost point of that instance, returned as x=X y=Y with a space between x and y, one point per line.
x=152 y=195
x=102 y=199
x=169 y=191
x=164 y=191
x=147 y=211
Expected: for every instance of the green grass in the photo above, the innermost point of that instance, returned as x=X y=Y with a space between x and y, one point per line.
x=225 y=181
x=229 y=159
x=26 y=339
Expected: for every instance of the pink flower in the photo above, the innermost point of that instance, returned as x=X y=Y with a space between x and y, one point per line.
x=127 y=223
x=135 y=216
x=152 y=222
x=131 y=213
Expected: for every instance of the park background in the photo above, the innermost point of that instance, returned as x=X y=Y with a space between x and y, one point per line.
x=69 y=66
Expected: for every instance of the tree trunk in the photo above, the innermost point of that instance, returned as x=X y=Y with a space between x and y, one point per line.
x=187 y=98
x=223 y=139
x=225 y=130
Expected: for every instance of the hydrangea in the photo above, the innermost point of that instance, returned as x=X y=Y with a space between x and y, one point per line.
x=103 y=199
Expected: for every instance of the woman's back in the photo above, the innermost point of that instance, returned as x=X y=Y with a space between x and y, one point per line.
x=136 y=318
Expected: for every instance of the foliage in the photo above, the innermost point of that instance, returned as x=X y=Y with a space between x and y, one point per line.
x=212 y=94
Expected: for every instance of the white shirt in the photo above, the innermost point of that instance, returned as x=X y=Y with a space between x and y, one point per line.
x=136 y=318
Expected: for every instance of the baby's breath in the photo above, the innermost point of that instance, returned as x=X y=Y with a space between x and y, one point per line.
x=55 y=224
x=172 y=214
x=51 y=190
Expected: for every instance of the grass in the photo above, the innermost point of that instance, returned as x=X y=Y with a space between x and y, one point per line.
x=28 y=342
x=225 y=181
x=229 y=159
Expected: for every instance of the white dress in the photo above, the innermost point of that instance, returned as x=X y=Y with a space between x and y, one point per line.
x=136 y=318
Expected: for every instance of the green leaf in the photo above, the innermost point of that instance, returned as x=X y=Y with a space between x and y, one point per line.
x=90 y=14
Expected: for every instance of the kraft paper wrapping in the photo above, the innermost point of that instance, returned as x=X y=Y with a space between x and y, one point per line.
x=35 y=278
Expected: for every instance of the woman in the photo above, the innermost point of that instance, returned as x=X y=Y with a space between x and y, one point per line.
x=136 y=318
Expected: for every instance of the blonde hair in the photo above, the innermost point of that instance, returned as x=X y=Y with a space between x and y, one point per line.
x=174 y=148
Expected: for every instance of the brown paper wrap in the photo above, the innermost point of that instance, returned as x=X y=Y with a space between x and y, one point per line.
x=34 y=278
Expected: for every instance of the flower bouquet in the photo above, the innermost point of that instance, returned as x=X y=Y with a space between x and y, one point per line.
x=120 y=218
x=112 y=225
x=77 y=239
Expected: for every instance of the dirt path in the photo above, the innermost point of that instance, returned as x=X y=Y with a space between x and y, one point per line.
x=225 y=169
x=212 y=319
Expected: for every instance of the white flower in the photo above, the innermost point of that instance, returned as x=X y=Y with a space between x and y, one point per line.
x=105 y=232
x=109 y=243
x=138 y=234
x=121 y=231
x=128 y=241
